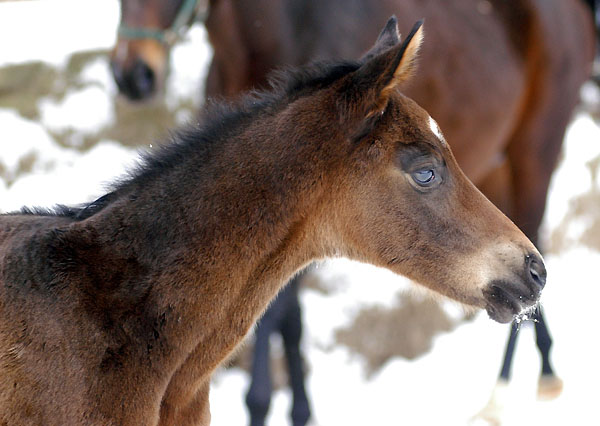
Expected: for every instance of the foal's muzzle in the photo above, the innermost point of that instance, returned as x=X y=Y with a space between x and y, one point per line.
x=508 y=298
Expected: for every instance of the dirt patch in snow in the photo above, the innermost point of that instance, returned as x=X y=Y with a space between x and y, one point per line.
x=406 y=330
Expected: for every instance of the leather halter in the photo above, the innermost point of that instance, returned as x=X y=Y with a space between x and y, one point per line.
x=189 y=11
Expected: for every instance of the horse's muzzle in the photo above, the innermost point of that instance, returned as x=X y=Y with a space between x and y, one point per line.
x=136 y=82
x=506 y=299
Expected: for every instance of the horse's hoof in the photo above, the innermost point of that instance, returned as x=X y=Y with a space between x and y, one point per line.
x=491 y=414
x=549 y=387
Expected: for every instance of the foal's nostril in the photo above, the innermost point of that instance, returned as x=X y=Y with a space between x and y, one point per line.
x=537 y=270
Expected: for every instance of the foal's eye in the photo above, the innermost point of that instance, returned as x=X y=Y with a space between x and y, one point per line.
x=424 y=177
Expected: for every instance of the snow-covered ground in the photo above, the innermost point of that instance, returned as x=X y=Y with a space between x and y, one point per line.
x=445 y=386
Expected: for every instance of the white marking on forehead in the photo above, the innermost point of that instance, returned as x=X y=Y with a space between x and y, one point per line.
x=436 y=130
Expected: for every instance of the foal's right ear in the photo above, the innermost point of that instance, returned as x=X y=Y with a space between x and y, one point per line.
x=384 y=69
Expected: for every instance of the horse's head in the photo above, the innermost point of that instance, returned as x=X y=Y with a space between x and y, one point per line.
x=406 y=205
x=147 y=30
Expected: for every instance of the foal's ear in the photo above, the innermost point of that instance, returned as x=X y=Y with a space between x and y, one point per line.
x=383 y=72
x=389 y=37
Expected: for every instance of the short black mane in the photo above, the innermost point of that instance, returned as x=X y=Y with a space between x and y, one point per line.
x=218 y=120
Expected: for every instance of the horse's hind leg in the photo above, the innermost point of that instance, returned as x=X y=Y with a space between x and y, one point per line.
x=258 y=398
x=549 y=386
x=291 y=331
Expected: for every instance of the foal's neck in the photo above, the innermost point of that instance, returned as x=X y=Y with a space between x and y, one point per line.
x=217 y=234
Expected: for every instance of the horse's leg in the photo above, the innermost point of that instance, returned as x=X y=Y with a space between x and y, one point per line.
x=258 y=397
x=543 y=341
x=492 y=412
x=549 y=386
x=291 y=331
x=509 y=352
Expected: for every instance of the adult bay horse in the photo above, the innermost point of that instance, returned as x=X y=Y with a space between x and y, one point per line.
x=502 y=79
x=119 y=311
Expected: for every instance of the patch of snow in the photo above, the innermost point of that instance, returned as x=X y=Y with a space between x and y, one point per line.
x=22 y=139
x=189 y=66
x=590 y=93
x=50 y=31
x=98 y=73
x=57 y=175
x=86 y=110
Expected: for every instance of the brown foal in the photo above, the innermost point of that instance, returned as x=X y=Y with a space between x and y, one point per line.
x=117 y=313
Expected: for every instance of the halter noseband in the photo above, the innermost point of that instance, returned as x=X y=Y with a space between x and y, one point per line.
x=189 y=10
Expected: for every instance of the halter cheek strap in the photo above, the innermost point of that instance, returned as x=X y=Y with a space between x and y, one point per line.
x=189 y=10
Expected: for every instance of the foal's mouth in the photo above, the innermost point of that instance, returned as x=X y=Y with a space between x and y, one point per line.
x=506 y=301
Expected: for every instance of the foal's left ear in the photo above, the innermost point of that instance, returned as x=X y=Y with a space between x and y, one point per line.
x=388 y=37
x=381 y=74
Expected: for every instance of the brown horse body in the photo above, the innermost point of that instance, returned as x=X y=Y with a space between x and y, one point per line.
x=117 y=313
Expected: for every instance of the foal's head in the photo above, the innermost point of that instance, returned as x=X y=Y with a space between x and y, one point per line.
x=405 y=204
